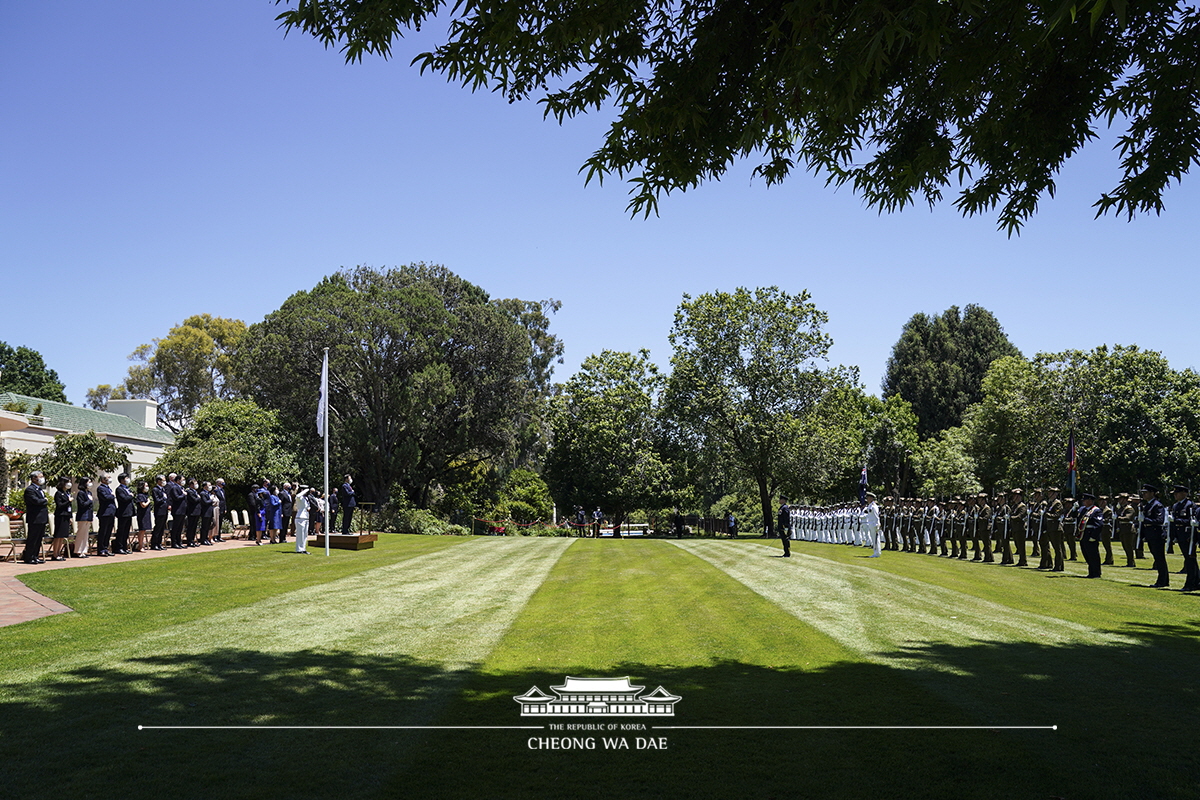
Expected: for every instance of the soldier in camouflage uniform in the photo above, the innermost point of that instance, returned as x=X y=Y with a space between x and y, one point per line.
x=1127 y=521
x=1018 y=521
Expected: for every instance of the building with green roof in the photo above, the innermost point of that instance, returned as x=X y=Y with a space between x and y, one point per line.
x=132 y=423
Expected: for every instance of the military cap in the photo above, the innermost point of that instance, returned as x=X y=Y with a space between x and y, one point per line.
x=1178 y=488
x=1015 y=491
x=1051 y=488
x=869 y=494
x=1149 y=487
x=1087 y=496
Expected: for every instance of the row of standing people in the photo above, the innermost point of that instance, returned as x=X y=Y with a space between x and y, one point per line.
x=981 y=527
x=120 y=513
x=189 y=511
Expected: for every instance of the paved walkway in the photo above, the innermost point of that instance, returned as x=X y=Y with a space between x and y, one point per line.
x=19 y=603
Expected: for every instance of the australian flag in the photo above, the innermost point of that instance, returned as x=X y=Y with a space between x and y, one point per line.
x=862 y=487
x=1072 y=472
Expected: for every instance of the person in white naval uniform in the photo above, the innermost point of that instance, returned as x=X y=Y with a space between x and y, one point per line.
x=870 y=522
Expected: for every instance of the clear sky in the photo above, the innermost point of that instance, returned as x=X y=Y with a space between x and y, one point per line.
x=162 y=159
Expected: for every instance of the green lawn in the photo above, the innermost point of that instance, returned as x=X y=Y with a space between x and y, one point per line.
x=425 y=632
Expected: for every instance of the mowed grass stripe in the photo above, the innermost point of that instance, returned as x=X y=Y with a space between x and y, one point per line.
x=662 y=616
x=114 y=602
x=390 y=646
x=878 y=614
x=447 y=608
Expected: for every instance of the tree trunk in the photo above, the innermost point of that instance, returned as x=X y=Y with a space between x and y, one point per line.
x=764 y=495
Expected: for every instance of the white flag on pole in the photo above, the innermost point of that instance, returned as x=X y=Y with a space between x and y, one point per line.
x=323 y=400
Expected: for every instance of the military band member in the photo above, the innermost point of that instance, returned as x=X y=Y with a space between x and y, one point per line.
x=1153 y=520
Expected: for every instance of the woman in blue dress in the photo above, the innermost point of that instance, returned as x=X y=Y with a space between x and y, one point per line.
x=273 y=513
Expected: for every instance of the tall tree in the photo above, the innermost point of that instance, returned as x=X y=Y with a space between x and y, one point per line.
x=747 y=378
x=427 y=377
x=1134 y=418
x=191 y=366
x=22 y=371
x=939 y=362
x=232 y=439
x=605 y=436
x=900 y=100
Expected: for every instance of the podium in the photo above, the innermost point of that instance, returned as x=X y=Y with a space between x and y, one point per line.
x=345 y=541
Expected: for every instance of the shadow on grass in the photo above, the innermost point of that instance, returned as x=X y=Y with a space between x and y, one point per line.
x=1125 y=714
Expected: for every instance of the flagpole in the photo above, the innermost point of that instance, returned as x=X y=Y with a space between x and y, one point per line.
x=325 y=397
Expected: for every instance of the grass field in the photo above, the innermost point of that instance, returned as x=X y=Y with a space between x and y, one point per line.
x=439 y=635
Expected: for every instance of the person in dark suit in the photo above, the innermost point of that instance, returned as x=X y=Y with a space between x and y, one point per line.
x=349 y=503
x=162 y=505
x=192 y=510
x=83 y=516
x=783 y=525
x=124 y=515
x=1154 y=517
x=37 y=517
x=143 y=512
x=62 y=520
x=106 y=513
x=177 y=499
x=219 y=490
x=332 y=506
x=206 y=514
x=285 y=511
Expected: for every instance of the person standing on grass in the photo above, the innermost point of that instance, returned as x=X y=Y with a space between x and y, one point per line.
x=1018 y=519
x=1127 y=515
x=870 y=523
x=145 y=514
x=83 y=517
x=177 y=496
x=731 y=524
x=106 y=510
x=349 y=502
x=1181 y=534
x=597 y=518
x=161 y=506
x=62 y=520
x=1154 y=518
x=303 y=502
x=1089 y=528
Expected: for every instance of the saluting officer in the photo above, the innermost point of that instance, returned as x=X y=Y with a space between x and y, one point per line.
x=1182 y=533
x=1154 y=517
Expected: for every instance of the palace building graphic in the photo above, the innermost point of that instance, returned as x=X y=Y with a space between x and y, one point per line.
x=597 y=696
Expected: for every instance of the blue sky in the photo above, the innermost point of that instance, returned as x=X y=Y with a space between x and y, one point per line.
x=159 y=160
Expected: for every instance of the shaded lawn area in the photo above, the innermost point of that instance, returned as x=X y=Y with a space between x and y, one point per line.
x=644 y=609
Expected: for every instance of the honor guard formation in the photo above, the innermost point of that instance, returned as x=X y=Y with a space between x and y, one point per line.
x=1012 y=529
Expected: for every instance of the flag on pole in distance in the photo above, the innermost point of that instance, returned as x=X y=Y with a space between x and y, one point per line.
x=323 y=398
x=1071 y=471
x=862 y=486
